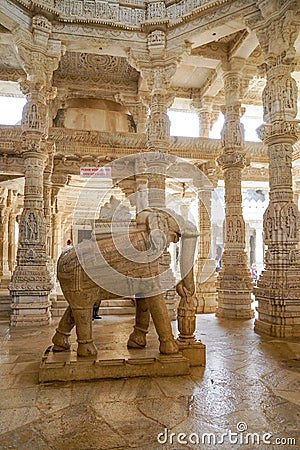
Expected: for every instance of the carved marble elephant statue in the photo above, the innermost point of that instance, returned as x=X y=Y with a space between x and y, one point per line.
x=86 y=280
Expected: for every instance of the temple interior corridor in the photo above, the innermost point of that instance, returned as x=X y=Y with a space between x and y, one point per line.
x=248 y=379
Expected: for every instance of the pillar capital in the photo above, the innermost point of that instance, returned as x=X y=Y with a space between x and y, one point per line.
x=234 y=282
x=39 y=56
x=278 y=287
x=277 y=29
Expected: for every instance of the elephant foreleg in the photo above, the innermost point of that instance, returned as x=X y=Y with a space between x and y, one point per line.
x=83 y=320
x=63 y=331
x=159 y=313
x=137 y=339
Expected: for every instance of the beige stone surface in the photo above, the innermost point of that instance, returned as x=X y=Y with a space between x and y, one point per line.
x=248 y=378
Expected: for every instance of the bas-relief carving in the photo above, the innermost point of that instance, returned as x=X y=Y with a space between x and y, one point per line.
x=281 y=224
x=280 y=98
x=76 y=66
x=128 y=14
x=235 y=230
x=104 y=146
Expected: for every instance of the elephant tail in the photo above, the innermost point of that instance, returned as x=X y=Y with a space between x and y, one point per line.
x=67 y=263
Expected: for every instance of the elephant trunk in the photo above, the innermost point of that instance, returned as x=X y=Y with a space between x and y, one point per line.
x=187 y=254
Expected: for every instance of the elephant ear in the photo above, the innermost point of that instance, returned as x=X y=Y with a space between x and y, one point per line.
x=157 y=225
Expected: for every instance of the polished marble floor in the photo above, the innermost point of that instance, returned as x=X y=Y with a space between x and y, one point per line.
x=247 y=397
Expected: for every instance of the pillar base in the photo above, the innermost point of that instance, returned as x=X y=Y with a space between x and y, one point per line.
x=279 y=331
x=30 y=310
x=278 y=317
x=5 y=280
x=195 y=352
x=234 y=313
x=235 y=305
x=278 y=298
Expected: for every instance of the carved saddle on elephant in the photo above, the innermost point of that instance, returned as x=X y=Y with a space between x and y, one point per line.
x=111 y=265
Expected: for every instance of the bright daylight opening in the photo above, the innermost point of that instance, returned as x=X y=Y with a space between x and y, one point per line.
x=182 y=123
x=11 y=110
x=187 y=123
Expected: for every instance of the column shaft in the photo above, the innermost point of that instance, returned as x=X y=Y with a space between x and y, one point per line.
x=278 y=289
x=234 y=283
x=31 y=281
x=206 y=294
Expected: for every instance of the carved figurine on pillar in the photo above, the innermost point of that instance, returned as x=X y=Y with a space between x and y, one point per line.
x=31 y=281
x=278 y=288
x=234 y=283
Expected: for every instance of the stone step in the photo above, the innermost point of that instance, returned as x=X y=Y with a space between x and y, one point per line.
x=116 y=310
x=122 y=302
x=5 y=309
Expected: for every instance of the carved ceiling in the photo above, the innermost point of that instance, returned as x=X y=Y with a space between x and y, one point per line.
x=102 y=69
x=86 y=66
x=214 y=32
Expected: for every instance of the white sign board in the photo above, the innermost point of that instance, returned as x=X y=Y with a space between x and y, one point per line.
x=96 y=172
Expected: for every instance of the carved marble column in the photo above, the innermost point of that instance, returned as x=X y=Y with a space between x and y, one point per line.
x=31 y=281
x=234 y=284
x=278 y=289
x=5 y=273
x=206 y=293
x=158 y=135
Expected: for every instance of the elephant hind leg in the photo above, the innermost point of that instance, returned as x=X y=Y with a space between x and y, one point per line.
x=159 y=313
x=83 y=320
x=137 y=339
x=61 y=338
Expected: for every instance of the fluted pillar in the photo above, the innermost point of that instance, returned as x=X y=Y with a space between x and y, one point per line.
x=278 y=289
x=31 y=281
x=234 y=283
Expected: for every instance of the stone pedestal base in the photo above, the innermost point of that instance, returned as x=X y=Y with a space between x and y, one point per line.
x=195 y=352
x=278 y=317
x=67 y=366
x=5 y=280
x=278 y=297
x=5 y=302
x=116 y=307
x=30 y=310
x=234 y=305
